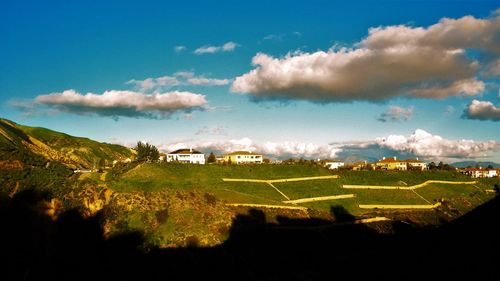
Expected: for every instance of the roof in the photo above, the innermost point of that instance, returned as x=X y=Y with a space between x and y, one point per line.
x=413 y=161
x=390 y=160
x=243 y=153
x=185 y=151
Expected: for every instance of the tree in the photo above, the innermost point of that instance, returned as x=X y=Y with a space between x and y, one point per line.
x=490 y=166
x=101 y=164
x=147 y=152
x=432 y=166
x=211 y=158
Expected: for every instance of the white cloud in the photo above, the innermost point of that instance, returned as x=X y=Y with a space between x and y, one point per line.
x=422 y=143
x=179 y=48
x=117 y=103
x=217 y=130
x=396 y=114
x=391 y=61
x=178 y=78
x=154 y=83
x=208 y=81
x=274 y=149
x=449 y=110
x=482 y=110
x=227 y=47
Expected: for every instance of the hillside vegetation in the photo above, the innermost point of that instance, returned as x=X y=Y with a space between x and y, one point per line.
x=38 y=157
x=30 y=145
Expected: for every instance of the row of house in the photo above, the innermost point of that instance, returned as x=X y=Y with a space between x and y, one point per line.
x=390 y=163
x=480 y=172
x=189 y=155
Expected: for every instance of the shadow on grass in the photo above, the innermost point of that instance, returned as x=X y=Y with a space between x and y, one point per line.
x=35 y=247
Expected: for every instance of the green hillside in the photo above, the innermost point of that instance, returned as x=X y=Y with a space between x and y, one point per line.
x=27 y=144
x=41 y=158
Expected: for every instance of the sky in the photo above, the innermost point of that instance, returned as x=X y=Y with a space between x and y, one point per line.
x=313 y=79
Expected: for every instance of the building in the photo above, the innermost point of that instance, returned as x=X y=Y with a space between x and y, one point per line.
x=361 y=165
x=186 y=155
x=479 y=172
x=392 y=163
x=243 y=157
x=333 y=164
x=162 y=157
x=416 y=164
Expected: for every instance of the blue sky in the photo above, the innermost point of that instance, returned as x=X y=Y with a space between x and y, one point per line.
x=98 y=46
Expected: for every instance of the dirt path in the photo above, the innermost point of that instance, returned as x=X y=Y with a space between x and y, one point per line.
x=267 y=206
x=348 y=186
x=283 y=180
x=422 y=207
x=322 y=198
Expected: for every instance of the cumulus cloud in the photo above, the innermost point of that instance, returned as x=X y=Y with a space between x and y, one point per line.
x=396 y=114
x=482 y=110
x=429 y=146
x=391 y=61
x=117 y=104
x=227 y=47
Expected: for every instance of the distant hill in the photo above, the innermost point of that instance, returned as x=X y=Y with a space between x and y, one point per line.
x=465 y=164
x=22 y=145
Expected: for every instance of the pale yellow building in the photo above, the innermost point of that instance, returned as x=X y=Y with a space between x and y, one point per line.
x=391 y=163
x=243 y=157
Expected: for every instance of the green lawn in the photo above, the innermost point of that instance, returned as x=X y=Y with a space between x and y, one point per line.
x=154 y=177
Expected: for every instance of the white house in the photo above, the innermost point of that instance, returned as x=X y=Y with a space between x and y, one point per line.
x=333 y=165
x=243 y=157
x=186 y=155
x=480 y=172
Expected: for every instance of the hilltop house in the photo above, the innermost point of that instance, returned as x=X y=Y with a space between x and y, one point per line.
x=333 y=164
x=243 y=157
x=186 y=155
x=361 y=165
x=391 y=163
x=416 y=164
x=479 y=172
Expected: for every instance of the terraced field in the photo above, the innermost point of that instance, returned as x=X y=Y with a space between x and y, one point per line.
x=154 y=177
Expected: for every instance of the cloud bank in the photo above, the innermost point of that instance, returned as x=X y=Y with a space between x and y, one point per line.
x=117 y=104
x=426 y=145
x=391 y=61
x=418 y=144
x=482 y=110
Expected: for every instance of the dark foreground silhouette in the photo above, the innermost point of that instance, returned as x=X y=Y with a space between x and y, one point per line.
x=34 y=247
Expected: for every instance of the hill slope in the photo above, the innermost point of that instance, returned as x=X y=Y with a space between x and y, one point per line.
x=465 y=164
x=23 y=145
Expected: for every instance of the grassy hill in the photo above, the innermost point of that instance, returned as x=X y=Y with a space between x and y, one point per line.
x=32 y=145
x=41 y=158
x=157 y=177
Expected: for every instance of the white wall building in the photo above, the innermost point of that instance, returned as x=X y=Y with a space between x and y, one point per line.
x=334 y=165
x=186 y=155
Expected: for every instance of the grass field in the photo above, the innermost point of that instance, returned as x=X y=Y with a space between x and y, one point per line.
x=155 y=177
